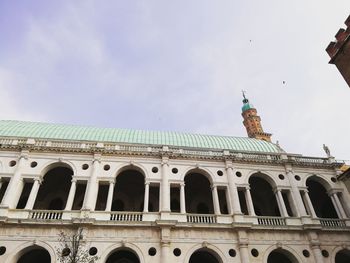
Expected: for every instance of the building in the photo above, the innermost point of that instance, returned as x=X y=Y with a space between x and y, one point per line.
x=339 y=51
x=145 y=196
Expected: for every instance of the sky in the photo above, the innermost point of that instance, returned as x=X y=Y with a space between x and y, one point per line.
x=178 y=66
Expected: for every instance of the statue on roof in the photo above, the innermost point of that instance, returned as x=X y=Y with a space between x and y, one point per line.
x=326 y=150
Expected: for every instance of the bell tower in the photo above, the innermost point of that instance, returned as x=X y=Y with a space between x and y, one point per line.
x=252 y=122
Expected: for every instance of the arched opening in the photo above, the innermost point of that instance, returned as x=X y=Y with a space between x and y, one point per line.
x=281 y=256
x=123 y=256
x=343 y=256
x=35 y=254
x=198 y=196
x=53 y=192
x=129 y=191
x=320 y=200
x=204 y=255
x=264 y=200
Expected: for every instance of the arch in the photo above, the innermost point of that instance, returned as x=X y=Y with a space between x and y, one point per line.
x=53 y=192
x=54 y=164
x=209 y=248
x=198 y=194
x=342 y=255
x=129 y=179
x=264 y=175
x=25 y=247
x=130 y=166
x=126 y=246
x=320 y=199
x=290 y=255
x=318 y=178
x=263 y=196
x=199 y=170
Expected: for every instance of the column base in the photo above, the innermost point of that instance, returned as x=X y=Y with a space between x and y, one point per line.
x=165 y=215
x=238 y=217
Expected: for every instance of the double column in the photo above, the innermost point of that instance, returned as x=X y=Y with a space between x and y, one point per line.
x=71 y=195
x=308 y=203
x=215 y=195
x=92 y=187
x=33 y=193
x=280 y=202
x=250 y=205
x=146 y=198
x=337 y=204
x=16 y=184
x=110 y=196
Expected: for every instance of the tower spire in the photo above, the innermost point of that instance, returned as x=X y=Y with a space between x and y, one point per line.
x=252 y=121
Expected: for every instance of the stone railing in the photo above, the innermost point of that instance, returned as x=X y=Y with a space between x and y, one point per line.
x=153 y=149
x=126 y=216
x=45 y=215
x=201 y=219
x=271 y=221
x=332 y=222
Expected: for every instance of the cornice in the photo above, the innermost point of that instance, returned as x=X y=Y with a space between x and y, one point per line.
x=163 y=152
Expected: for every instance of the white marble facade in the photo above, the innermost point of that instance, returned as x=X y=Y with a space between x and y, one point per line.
x=161 y=205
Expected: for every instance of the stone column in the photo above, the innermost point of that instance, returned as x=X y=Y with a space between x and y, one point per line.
x=71 y=195
x=182 y=199
x=243 y=252
x=216 y=203
x=309 y=203
x=337 y=204
x=146 y=198
x=296 y=195
x=164 y=255
x=0 y=183
x=281 y=204
x=317 y=253
x=33 y=193
x=229 y=202
x=16 y=184
x=250 y=204
x=236 y=206
x=110 y=196
x=165 y=198
x=92 y=187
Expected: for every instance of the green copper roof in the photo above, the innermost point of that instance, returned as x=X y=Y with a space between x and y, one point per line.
x=247 y=106
x=21 y=129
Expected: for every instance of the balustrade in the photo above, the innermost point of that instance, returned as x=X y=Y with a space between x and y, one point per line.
x=126 y=216
x=332 y=222
x=46 y=215
x=271 y=221
x=201 y=219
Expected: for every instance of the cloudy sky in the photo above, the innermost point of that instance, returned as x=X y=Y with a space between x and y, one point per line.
x=178 y=65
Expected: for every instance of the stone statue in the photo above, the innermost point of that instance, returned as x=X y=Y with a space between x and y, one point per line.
x=326 y=150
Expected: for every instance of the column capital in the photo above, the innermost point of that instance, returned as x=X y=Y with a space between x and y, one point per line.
x=228 y=164
x=96 y=159
x=111 y=181
x=24 y=155
x=213 y=186
x=40 y=179
x=165 y=162
x=247 y=187
x=165 y=243
x=182 y=184
x=243 y=243
x=276 y=190
x=74 y=180
x=333 y=191
x=147 y=182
